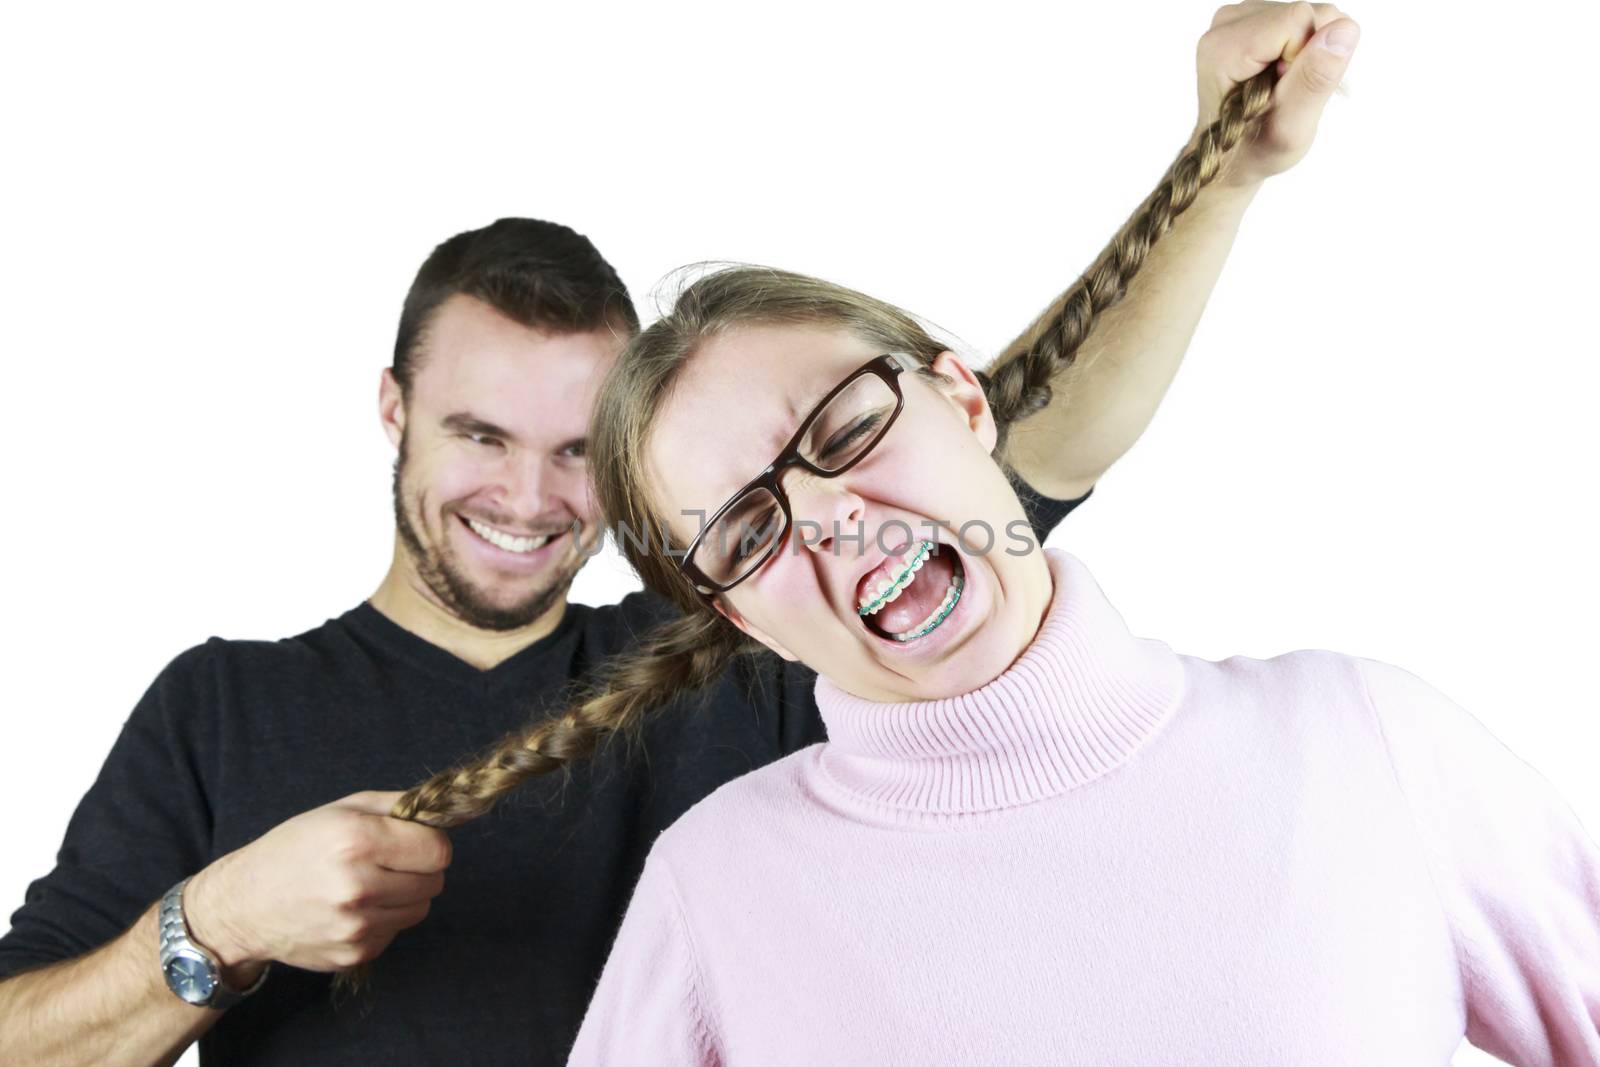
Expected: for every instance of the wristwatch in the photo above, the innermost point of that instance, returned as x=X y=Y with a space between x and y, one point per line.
x=192 y=973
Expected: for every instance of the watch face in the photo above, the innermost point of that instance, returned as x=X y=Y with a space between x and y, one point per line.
x=190 y=977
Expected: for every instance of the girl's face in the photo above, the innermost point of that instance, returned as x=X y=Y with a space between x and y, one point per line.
x=929 y=491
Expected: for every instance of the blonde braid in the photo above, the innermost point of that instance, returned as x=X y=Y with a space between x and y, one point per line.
x=677 y=657
x=1021 y=386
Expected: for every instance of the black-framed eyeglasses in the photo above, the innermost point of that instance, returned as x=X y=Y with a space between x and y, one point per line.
x=844 y=426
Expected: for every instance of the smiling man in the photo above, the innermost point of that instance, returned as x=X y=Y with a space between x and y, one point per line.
x=503 y=341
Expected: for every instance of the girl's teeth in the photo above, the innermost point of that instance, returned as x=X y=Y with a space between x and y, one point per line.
x=937 y=616
x=898 y=583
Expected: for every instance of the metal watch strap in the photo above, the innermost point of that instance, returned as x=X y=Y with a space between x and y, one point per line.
x=174 y=941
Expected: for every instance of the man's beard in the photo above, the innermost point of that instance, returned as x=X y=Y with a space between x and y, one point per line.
x=455 y=590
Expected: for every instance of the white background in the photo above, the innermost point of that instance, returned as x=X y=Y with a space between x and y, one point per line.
x=1382 y=442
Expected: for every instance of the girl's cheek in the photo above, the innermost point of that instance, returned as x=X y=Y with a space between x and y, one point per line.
x=787 y=587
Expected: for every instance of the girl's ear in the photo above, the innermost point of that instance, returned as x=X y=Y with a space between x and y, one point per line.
x=731 y=613
x=964 y=391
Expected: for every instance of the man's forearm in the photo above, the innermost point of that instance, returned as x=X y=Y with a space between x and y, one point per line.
x=1106 y=399
x=109 y=1007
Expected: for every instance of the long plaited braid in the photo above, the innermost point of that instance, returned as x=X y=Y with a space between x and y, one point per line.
x=693 y=651
x=678 y=657
x=1022 y=385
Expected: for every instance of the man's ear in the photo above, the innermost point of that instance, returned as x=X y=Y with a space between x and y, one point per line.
x=391 y=407
x=964 y=391
x=749 y=629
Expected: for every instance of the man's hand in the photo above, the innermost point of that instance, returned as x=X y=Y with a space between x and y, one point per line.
x=324 y=891
x=1311 y=45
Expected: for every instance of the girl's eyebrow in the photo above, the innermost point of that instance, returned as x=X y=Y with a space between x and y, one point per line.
x=799 y=408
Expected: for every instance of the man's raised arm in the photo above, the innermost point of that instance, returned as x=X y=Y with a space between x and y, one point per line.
x=1102 y=403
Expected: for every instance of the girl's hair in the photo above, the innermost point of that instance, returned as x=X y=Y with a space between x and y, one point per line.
x=693 y=651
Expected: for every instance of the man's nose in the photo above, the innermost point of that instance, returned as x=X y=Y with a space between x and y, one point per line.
x=527 y=484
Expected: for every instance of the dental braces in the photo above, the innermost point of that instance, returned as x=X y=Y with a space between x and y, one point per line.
x=923 y=548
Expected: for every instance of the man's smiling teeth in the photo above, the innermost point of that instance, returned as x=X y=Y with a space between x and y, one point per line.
x=520 y=545
x=890 y=588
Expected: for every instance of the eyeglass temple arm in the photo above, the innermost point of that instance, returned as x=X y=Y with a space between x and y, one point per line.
x=904 y=361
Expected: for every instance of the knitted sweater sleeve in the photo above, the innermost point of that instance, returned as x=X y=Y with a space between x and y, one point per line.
x=648 y=1007
x=1517 y=876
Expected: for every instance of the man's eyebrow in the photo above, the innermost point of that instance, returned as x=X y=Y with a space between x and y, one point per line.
x=461 y=422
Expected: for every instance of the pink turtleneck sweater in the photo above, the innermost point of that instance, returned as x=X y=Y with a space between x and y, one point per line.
x=1114 y=854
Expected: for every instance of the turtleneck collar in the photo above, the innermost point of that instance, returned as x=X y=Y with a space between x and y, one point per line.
x=1080 y=700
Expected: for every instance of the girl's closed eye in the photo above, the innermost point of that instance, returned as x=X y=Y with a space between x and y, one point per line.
x=853 y=434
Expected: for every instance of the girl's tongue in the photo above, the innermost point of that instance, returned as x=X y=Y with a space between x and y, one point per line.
x=919 y=598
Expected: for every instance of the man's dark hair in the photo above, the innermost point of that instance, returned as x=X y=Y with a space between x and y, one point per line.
x=540 y=274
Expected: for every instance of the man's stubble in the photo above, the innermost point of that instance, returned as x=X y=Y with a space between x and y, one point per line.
x=438 y=569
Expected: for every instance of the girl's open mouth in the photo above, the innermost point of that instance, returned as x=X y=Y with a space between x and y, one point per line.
x=911 y=596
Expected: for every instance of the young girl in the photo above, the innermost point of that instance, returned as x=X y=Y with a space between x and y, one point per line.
x=1031 y=836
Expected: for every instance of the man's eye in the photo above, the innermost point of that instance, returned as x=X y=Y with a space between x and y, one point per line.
x=482 y=439
x=576 y=451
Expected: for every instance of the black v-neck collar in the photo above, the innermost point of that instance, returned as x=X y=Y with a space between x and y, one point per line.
x=401 y=643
